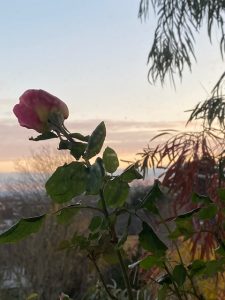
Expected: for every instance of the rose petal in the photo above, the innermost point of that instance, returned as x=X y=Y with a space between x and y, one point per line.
x=36 y=107
x=27 y=118
x=42 y=101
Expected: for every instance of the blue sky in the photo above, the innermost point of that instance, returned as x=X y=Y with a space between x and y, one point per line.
x=92 y=55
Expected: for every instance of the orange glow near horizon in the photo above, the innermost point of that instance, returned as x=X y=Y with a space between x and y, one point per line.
x=7 y=166
x=127 y=138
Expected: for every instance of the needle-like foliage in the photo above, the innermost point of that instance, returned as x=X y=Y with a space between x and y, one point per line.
x=177 y=22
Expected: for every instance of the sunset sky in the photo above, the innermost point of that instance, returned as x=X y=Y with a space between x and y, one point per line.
x=92 y=55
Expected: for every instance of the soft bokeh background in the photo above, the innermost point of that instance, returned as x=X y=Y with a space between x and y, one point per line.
x=92 y=55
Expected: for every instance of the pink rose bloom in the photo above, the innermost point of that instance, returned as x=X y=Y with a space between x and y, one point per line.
x=36 y=108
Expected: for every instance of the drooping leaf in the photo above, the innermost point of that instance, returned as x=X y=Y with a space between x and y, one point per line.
x=65 y=215
x=95 y=141
x=150 y=241
x=131 y=173
x=124 y=236
x=95 y=177
x=179 y=274
x=44 y=136
x=22 y=229
x=149 y=201
x=116 y=192
x=110 y=160
x=67 y=182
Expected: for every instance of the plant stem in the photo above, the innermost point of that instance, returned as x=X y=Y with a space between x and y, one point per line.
x=180 y=257
x=102 y=279
x=125 y=275
x=174 y=284
x=114 y=239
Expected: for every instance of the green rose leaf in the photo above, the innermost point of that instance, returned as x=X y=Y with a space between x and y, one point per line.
x=150 y=241
x=197 y=267
x=131 y=173
x=110 y=160
x=175 y=234
x=94 y=237
x=179 y=274
x=76 y=148
x=200 y=199
x=80 y=242
x=162 y=292
x=221 y=193
x=221 y=249
x=67 y=182
x=116 y=192
x=96 y=223
x=22 y=229
x=151 y=261
x=95 y=141
x=184 y=227
x=214 y=266
x=44 y=136
x=208 y=212
x=95 y=177
x=188 y=214
x=79 y=136
x=65 y=215
x=207 y=268
x=64 y=145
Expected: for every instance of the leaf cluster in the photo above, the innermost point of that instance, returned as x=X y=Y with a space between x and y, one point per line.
x=174 y=38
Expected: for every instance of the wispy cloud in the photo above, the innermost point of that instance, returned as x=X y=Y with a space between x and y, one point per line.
x=126 y=137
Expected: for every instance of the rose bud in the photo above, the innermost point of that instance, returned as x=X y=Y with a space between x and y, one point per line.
x=40 y=111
